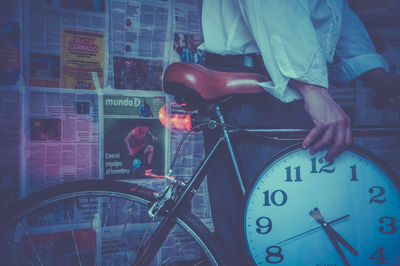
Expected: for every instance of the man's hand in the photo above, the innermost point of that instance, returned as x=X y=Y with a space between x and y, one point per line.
x=332 y=125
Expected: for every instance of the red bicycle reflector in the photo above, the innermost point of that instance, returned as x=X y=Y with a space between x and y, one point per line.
x=177 y=121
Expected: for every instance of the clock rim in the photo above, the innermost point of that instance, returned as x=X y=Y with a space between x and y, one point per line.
x=394 y=178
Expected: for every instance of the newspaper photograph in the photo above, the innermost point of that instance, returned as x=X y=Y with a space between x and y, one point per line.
x=44 y=129
x=82 y=53
x=132 y=146
x=185 y=48
x=137 y=74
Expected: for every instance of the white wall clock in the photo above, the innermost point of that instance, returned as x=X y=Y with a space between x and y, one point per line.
x=303 y=210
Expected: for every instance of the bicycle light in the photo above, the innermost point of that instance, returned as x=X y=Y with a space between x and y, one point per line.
x=175 y=121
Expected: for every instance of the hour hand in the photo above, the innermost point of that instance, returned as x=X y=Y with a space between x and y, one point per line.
x=334 y=236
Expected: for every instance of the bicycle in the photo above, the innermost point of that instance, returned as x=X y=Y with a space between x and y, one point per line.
x=84 y=207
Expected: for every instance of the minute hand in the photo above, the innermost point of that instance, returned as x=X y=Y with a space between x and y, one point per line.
x=333 y=235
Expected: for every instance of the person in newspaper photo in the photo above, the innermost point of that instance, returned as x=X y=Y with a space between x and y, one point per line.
x=298 y=44
x=139 y=143
x=144 y=109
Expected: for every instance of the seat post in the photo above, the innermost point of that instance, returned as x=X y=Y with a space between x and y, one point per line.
x=230 y=149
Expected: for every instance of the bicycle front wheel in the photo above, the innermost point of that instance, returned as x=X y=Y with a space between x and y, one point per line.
x=96 y=222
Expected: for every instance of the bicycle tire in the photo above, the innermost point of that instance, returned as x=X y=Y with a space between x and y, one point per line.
x=19 y=227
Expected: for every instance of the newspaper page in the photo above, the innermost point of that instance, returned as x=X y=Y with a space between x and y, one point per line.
x=134 y=139
x=187 y=32
x=138 y=37
x=11 y=95
x=43 y=25
x=62 y=137
x=82 y=53
x=10 y=66
x=10 y=133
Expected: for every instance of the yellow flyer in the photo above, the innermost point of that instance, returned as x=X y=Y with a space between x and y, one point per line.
x=82 y=53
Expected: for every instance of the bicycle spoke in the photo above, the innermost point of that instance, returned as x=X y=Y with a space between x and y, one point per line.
x=168 y=258
x=33 y=245
x=73 y=236
x=105 y=219
x=97 y=223
x=142 y=239
x=93 y=216
x=52 y=239
x=19 y=253
x=128 y=216
x=200 y=262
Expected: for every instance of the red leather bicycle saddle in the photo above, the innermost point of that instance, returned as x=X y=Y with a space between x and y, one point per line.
x=195 y=81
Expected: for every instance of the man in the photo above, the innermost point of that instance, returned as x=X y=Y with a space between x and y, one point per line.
x=297 y=42
x=144 y=109
x=136 y=143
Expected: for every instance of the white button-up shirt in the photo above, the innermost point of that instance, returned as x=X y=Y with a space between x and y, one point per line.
x=297 y=39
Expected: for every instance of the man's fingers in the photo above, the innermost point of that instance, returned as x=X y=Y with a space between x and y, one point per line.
x=325 y=140
x=339 y=143
x=343 y=139
x=312 y=136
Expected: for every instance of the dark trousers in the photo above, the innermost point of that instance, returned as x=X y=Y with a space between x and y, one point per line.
x=248 y=111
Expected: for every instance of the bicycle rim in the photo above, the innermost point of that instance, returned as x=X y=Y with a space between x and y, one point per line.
x=95 y=222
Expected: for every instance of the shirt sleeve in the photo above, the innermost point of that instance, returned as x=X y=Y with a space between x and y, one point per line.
x=355 y=53
x=287 y=40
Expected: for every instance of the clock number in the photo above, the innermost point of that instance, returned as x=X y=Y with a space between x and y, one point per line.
x=264 y=223
x=391 y=224
x=378 y=255
x=267 y=198
x=275 y=253
x=323 y=168
x=353 y=173
x=381 y=192
x=289 y=174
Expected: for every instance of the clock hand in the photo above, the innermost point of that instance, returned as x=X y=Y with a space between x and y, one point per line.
x=333 y=235
x=335 y=244
x=315 y=228
x=342 y=241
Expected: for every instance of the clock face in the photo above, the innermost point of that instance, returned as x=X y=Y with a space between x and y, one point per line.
x=303 y=210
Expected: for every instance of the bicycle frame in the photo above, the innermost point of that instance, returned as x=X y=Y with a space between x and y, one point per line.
x=164 y=228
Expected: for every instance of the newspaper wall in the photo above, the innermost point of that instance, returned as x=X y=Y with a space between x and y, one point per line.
x=62 y=137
